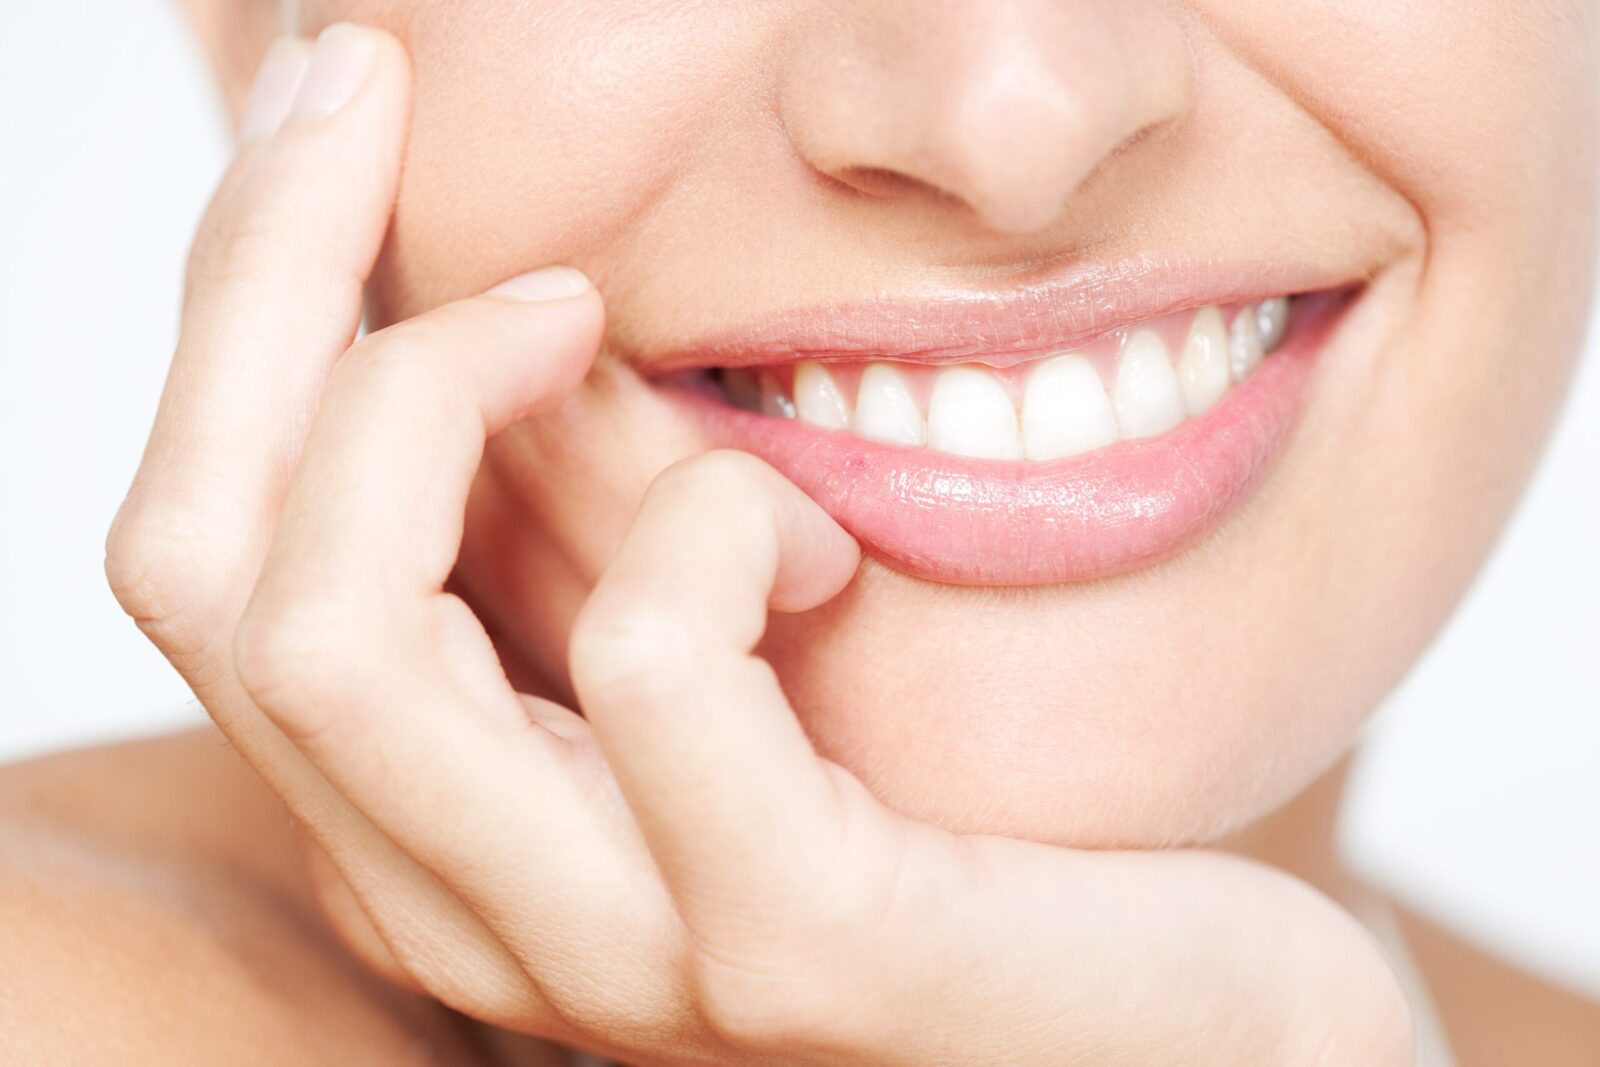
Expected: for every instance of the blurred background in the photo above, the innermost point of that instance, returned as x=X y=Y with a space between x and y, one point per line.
x=1476 y=797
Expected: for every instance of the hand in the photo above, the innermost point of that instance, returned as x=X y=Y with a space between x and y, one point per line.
x=674 y=877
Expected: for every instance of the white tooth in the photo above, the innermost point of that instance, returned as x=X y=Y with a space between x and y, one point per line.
x=884 y=408
x=775 y=403
x=817 y=399
x=1065 y=410
x=1272 y=320
x=1203 y=369
x=970 y=414
x=1147 y=396
x=1244 y=343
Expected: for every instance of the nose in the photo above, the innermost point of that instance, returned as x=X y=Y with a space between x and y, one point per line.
x=1002 y=107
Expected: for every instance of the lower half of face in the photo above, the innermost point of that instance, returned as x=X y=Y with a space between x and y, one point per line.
x=1175 y=364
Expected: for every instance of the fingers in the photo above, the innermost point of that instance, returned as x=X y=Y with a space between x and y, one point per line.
x=349 y=596
x=714 y=763
x=274 y=296
x=380 y=494
x=391 y=687
x=350 y=646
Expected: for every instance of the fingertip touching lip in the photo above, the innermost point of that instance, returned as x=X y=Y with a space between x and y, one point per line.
x=1067 y=466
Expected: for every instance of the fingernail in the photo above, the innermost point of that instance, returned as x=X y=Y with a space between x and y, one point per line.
x=276 y=83
x=340 y=64
x=547 y=283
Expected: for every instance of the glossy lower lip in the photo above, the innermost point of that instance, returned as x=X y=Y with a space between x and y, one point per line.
x=980 y=522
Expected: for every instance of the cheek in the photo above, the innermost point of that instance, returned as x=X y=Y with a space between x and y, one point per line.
x=1160 y=708
x=556 y=141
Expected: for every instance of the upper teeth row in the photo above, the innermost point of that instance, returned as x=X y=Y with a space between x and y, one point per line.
x=1065 y=408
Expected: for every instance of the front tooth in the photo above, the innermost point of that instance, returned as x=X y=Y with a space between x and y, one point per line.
x=970 y=414
x=1244 y=343
x=884 y=408
x=817 y=399
x=1065 y=410
x=1272 y=322
x=1148 y=399
x=1203 y=370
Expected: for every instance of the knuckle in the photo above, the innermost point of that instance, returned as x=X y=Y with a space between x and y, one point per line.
x=258 y=227
x=232 y=248
x=585 y=1008
x=402 y=363
x=243 y=234
x=162 y=568
x=392 y=350
x=618 y=647
x=291 y=659
x=796 y=963
x=405 y=348
x=469 y=974
x=769 y=1005
x=603 y=990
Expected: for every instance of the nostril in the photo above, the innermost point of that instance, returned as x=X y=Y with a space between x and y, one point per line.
x=882 y=183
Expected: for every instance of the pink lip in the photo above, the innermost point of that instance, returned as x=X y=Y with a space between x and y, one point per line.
x=975 y=522
x=1000 y=328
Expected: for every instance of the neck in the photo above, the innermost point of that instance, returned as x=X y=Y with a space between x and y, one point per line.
x=1300 y=838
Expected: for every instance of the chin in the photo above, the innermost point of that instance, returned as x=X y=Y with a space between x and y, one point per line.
x=1002 y=712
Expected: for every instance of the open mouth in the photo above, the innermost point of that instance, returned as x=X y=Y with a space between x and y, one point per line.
x=1028 y=466
x=1127 y=385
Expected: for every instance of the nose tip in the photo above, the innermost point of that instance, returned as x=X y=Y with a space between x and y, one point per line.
x=1016 y=147
x=1005 y=109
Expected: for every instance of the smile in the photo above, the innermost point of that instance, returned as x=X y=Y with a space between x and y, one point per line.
x=1124 y=387
x=1028 y=463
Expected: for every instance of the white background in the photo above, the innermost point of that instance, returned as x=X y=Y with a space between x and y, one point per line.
x=1477 y=797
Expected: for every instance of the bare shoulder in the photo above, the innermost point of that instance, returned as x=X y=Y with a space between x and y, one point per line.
x=153 y=912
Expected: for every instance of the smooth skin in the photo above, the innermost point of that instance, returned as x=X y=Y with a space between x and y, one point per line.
x=713 y=162
x=677 y=876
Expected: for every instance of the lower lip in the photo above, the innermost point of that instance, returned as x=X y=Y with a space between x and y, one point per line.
x=980 y=522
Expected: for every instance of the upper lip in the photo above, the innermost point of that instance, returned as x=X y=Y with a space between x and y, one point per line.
x=999 y=328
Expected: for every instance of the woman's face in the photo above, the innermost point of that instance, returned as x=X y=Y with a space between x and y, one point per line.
x=1142 y=643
